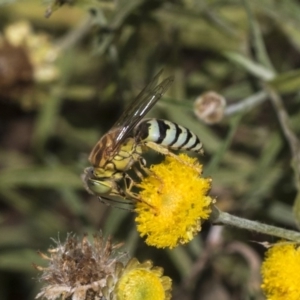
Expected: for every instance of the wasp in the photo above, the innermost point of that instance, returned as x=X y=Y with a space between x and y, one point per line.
x=123 y=145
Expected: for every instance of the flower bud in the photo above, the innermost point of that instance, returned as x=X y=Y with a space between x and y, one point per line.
x=209 y=107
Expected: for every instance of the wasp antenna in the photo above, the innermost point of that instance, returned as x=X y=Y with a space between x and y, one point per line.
x=113 y=203
x=159 y=73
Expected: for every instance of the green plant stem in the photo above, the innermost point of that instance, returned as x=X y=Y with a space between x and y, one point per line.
x=293 y=142
x=289 y=134
x=246 y=104
x=227 y=219
x=258 y=42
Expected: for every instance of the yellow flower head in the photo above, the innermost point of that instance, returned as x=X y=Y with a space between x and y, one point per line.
x=143 y=282
x=174 y=201
x=281 y=272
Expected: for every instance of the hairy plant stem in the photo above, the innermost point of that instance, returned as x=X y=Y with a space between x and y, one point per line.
x=224 y=218
x=246 y=104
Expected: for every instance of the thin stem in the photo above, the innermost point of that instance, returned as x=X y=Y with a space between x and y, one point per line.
x=227 y=219
x=292 y=141
x=76 y=35
x=246 y=104
x=285 y=125
x=260 y=48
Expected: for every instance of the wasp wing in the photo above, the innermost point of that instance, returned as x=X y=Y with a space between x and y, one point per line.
x=140 y=106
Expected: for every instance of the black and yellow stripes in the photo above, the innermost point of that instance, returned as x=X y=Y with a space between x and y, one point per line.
x=167 y=134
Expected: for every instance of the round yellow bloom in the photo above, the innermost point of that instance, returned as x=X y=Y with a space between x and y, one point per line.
x=174 y=201
x=143 y=282
x=281 y=272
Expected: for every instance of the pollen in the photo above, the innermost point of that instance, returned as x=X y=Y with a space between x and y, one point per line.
x=281 y=272
x=174 y=203
x=143 y=282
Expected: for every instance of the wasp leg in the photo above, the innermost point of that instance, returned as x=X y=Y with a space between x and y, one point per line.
x=131 y=194
x=148 y=172
x=117 y=203
x=165 y=151
x=129 y=184
x=119 y=191
x=138 y=173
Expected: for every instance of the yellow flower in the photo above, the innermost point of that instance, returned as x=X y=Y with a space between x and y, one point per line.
x=174 y=201
x=281 y=272
x=80 y=270
x=143 y=282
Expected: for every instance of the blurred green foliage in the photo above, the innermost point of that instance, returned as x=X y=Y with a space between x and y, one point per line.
x=108 y=50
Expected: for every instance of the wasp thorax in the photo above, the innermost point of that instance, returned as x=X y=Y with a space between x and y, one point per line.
x=107 y=172
x=209 y=107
